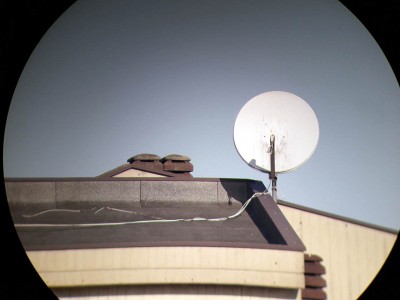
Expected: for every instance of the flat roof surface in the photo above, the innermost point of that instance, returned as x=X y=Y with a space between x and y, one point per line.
x=240 y=230
x=67 y=206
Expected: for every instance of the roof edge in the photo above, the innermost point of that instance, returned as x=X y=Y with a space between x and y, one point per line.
x=98 y=178
x=338 y=217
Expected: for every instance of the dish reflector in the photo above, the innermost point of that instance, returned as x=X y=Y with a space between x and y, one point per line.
x=286 y=116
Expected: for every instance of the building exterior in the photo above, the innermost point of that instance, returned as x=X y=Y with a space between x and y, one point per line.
x=148 y=229
x=353 y=252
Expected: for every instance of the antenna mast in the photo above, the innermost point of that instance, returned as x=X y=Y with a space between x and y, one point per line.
x=272 y=175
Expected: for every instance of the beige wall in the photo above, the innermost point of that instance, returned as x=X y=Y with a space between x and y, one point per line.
x=352 y=254
x=275 y=270
x=137 y=173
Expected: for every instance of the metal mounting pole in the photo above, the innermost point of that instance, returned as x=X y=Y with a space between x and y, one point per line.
x=272 y=175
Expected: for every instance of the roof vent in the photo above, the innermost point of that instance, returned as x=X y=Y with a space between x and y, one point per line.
x=178 y=164
x=146 y=161
x=144 y=157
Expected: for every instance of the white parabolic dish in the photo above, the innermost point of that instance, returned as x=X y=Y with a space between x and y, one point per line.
x=289 y=118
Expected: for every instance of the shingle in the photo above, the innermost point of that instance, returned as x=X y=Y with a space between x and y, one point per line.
x=22 y=195
x=87 y=194
x=232 y=193
x=112 y=205
x=178 y=193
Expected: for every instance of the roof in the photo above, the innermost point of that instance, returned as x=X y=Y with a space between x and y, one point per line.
x=337 y=217
x=113 y=207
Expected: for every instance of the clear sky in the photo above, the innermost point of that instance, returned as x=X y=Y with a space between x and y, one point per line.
x=111 y=79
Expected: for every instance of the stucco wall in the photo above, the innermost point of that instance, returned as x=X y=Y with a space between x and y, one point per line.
x=352 y=253
x=88 y=273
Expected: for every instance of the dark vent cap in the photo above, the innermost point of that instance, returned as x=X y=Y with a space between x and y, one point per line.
x=175 y=157
x=144 y=157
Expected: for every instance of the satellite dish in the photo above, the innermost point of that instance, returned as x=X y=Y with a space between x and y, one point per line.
x=276 y=132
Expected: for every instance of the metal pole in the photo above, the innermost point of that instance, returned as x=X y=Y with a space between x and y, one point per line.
x=272 y=175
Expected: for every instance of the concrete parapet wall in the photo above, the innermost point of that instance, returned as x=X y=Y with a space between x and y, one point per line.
x=23 y=195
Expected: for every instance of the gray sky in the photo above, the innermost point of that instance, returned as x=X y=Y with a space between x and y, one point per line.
x=111 y=79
